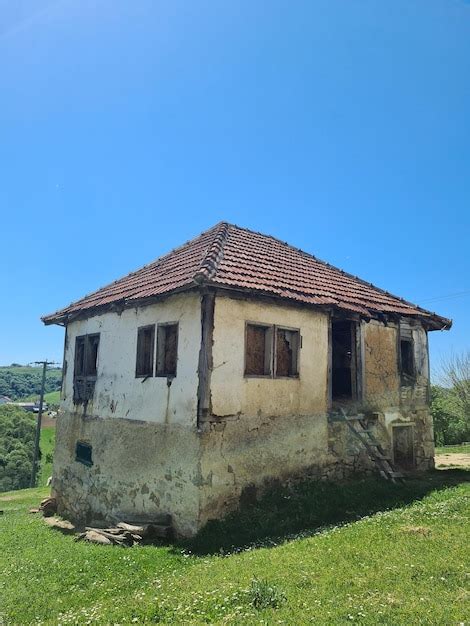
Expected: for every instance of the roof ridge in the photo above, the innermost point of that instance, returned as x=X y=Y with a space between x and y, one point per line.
x=210 y=263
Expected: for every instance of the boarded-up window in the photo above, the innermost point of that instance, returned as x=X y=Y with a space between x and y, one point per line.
x=287 y=352
x=86 y=359
x=145 y=346
x=258 y=350
x=167 y=349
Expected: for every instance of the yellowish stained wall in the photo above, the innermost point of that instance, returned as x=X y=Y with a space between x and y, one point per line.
x=381 y=377
x=233 y=393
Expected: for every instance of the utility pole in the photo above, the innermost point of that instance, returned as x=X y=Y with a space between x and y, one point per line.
x=38 y=425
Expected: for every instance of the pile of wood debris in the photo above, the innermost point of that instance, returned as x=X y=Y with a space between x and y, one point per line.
x=126 y=534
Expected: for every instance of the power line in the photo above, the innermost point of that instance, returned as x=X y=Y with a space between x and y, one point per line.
x=458 y=294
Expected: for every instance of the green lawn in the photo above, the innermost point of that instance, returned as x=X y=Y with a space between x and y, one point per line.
x=46 y=445
x=405 y=565
x=53 y=397
x=459 y=449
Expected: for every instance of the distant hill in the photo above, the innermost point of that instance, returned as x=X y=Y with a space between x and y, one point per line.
x=21 y=381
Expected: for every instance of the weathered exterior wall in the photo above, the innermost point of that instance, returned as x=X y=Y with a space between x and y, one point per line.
x=276 y=429
x=233 y=394
x=118 y=393
x=381 y=376
x=139 y=468
x=143 y=432
x=150 y=454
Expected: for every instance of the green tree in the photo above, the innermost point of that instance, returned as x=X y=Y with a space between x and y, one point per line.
x=17 y=430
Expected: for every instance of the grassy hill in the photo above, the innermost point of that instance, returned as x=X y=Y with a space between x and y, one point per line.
x=21 y=381
x=404 y=565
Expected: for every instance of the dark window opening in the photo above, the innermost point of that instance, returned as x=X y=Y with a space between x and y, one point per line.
x=145 y=346
x=287 y=352
x=167 y=349
x=83 y=453
x=84 y=374
x=343 y=360
x=258 y=350
x=407 y=357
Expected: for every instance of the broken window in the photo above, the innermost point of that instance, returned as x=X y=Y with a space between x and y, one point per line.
x=271 y=351
x=145 y=346
x=84 y=374
x=83 y=453
x=343 y=360
x=167 y=349
x=258 y=350
x=407 y=357
x=287 y=352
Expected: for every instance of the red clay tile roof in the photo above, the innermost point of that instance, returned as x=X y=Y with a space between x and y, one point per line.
x=236 y=258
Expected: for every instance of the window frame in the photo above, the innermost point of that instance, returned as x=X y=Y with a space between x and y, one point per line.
x=158 y=373
x=140 y=330
x=272 y=346
x=85 y=380
x=297 y=359
x=406 y=377
x=268 y=343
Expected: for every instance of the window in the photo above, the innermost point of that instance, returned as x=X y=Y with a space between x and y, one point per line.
x=145 y=345
x=287 y=352
x=167 y=349
x=407 y=357
x=258 y=350
x=84 y=374
x=83 y=453
x=271 y=351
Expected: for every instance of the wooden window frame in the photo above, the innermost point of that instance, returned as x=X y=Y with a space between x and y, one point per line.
x=272 y=350
x=297 y=359
x=138 y=373
x=406 y=335
x=158 y=372
x=84 y=381
x=268 y=357
x=357 y=358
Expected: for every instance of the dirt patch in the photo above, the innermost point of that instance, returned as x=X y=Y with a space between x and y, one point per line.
x=452 y=459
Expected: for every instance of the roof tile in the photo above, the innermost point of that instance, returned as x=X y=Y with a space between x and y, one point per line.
x=237 y=258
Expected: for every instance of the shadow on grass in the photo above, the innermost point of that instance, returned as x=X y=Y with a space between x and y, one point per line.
x=310 y=505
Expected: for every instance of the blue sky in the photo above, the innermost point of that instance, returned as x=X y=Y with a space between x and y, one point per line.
x=127 y=128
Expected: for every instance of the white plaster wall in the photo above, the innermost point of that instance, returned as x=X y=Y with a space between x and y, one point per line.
x=118 y=393
x=233 y=393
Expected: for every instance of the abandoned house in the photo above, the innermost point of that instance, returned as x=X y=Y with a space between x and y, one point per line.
x=234 y=361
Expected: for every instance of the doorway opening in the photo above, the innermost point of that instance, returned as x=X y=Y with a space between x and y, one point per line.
x=403 y=448
x=343 y=360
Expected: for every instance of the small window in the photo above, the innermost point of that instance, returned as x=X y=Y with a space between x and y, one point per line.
x=407 y=357
x=145 y=345
x=258 y=350
x=167 y=349
x=86 y=359
x=83 y=453
x=287 y=352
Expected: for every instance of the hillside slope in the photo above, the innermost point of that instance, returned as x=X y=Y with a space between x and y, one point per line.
x=20 y=381
x=404 y=566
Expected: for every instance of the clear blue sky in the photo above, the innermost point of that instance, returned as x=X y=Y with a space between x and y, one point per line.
x=127 y=128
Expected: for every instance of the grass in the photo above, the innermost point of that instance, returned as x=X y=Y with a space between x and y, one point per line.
x=407 y=563
x=46 y=445
x=51 y=398
x=458 y=449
